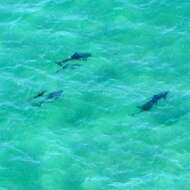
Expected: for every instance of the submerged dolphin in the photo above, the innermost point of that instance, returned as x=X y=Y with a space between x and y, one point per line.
x=47 y=98
x=76 y=56
x=40 y=94
x=54 y=95
x=154 y=100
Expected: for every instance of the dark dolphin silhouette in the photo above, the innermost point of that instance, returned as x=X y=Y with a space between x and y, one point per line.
x=47 y=98
x=40 y=94
x=54 y=95
x=75 y=56
x=153 y=101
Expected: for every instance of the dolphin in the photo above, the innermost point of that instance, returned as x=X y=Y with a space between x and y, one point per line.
x=153 y=101
x=54 y=95
x=40 y=94
x=47 y=98
x=75 y=56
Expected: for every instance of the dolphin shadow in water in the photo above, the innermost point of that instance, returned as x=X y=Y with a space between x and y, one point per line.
x=69 y=66
x=52 y=96
x=147 y=106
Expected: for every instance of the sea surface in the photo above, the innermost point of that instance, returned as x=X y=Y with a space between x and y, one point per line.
x=93 y=136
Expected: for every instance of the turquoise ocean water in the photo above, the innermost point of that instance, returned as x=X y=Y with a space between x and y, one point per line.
x=90 y=138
